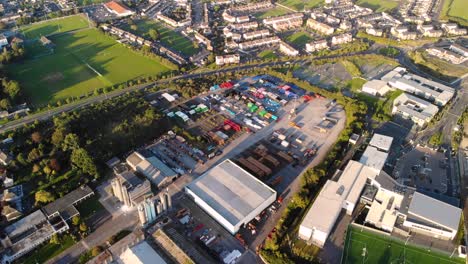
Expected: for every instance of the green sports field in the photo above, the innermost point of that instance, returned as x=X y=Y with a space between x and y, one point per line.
x=367 y=247
x=299 y=39
x=277 y=11
x=167 y=36
x=456 y=10
x=379 y=5
x=54 y=26
x=300 y=5
x=82 y=62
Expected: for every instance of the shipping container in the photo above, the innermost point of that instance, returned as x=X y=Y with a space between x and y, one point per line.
x=259 y=165
x=285 y=156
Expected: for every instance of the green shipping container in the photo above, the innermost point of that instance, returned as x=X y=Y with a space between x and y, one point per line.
x=262 y=113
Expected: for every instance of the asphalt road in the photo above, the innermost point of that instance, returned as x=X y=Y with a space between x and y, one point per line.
x=111 y=227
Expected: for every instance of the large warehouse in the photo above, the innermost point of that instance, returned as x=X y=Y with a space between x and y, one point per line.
x=231 y=195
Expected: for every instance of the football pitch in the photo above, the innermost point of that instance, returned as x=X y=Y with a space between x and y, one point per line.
x=367 y=247
x=54 y=26
x=82 y=61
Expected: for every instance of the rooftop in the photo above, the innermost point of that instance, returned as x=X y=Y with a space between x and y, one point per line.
x=25 y=224
x=435 y=211
x=374 y=158
x=117 y=7
x=415 y=106
x=61 y=205
x=381 y=142
x=141 y=253
x=231 y=191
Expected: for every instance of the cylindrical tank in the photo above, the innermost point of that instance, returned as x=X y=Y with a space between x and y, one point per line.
x=141 y=214
x=168 y=200
x=159 y=208
x=164 y=202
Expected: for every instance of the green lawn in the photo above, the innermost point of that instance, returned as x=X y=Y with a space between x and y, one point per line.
x=48 y=251
x=89 y=207
x=277 y=11
x=299 y=39
x=167 y=36
x=379 y=5
x=366 y=247
x=54 y=26
x=267 y=54
x=300 y=5
x=455 y=10
x=82 y=62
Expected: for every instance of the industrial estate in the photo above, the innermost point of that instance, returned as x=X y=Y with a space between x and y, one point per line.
x=226 y=131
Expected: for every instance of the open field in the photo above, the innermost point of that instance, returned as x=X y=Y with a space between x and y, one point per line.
x=455 y=10
x=300 y=5
x=276 y=11
x=299 y=39
x=54 y=26
x=82 y=62
x=267 y=54
x=379 y=5
x=167 y=36
x=367 y=247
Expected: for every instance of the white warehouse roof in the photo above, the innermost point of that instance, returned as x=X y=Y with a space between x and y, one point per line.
x=231 y=195
x=381 y=142
x=435 y=211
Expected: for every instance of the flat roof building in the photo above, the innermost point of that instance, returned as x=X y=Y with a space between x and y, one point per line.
x=381 y=142
x=65 y=206
x=430 y=216
x=231 y=195
x=414 y=108
x=438 y=93
x=374 y=158
x=118 y=8
x=335 y=196
x=376 y=87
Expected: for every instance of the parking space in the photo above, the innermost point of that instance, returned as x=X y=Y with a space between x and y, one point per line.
x=424 y=168
x=211 y=241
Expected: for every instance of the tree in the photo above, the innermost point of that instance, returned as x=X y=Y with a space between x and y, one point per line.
x=81 y=159
x=55 y=239
x=54 y=164
x=76 y=220
x=36 y=137
x=5 y=104
x=83 y=227
x=2 y=25
x=47 y=170
x=43 y=197
x=21 y=159
x=36 y=168
x=134 y=27
x=70 y=142
x=154 y=35
x=96 y=251
x=34 y=154
x=58 y=136
x=12 y=88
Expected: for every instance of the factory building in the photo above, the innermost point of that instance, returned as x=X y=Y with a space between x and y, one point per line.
x=231 y=195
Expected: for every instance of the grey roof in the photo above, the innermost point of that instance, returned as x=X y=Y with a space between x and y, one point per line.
x=435 y=211
x=25 y=224
x=69 y=199
x=231 y=191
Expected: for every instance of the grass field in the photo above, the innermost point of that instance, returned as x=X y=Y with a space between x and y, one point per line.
x=82 y=62
x=455 y=10
x=366 y=247
x=167 y=36
x=299 y=39
x=267 y=54
x=277 y=11
x=49 y=27
x=379 y=5
x=300 y=5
